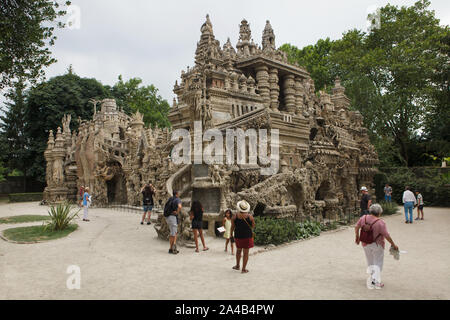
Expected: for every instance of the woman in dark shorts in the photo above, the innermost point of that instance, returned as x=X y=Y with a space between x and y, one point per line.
x=242 y=224
x=196 y=215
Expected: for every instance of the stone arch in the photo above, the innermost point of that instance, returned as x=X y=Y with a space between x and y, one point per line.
x=116 y=186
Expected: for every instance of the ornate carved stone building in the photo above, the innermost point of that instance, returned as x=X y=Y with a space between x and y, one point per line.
x=325 y=153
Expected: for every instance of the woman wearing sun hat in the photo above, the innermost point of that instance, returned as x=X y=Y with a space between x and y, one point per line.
x=242 y=224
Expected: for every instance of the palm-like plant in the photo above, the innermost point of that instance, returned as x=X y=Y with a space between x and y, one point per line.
x=61 y=216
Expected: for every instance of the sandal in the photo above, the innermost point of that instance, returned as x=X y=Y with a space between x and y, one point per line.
x=244 y=271
x=205 y=249
x=196 y=250
x=236 y=267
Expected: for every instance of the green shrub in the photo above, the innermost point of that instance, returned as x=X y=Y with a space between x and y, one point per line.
x=433 y=183
x=61 y=216
x=389 y=207
x=25 y=197
x=277 y=231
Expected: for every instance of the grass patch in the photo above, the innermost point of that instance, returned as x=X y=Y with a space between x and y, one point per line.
x=23 y=219
x=37 y=233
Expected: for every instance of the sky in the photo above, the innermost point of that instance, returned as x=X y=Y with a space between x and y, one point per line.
x=154 y=40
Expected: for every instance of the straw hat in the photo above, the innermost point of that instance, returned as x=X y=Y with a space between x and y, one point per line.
x=243 y=206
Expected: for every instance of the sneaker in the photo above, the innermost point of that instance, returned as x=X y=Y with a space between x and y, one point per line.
x=370 y=285
x=170 y=251
x=149 y=223
x=142 y=222
x=379 y=286
x=406 y=221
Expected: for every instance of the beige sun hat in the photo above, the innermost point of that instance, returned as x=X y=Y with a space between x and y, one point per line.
x=243 y=206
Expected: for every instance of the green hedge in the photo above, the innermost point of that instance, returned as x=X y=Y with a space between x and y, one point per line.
x=277 y=231
x=25 y=197
x=433 y=183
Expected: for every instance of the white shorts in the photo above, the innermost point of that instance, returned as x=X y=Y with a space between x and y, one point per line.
x=173 y=226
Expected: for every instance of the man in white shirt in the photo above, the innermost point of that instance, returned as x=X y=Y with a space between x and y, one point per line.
x=409 y=201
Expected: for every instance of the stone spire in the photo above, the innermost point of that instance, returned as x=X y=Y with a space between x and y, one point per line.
x=245 y=33
x=268 y=38
x=228 y=49
x=51 y=140
x=338 y=95
x=245 y=45
x=208 y=46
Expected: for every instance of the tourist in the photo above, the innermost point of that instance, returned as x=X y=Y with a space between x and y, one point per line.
x=387 y=193
x=242 y=225
x=409 y=201
x=86 y=203
x=226 y=223
x=374 y=251
x=419 y=205
x=196 y=215
x=365 y=201
x=147 y=194
x=80 y=198
x=171 y=210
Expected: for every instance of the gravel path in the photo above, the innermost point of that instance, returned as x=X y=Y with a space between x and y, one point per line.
x=121 y=259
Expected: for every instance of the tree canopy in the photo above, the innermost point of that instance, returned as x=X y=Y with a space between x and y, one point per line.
x=396 y=75
x=30 y=114
x=26 y=32
x=133 y=96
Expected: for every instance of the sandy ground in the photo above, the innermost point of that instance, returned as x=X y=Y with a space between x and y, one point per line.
x=121 y=259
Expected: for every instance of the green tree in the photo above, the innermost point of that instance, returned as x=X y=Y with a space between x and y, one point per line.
x=26 y=32
x=390 y=72
x=12 y=130
x=315 y=58
x=46 y=105
x=133 y=96
x=396 y=76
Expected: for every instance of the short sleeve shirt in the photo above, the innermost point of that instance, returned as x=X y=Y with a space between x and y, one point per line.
x=379 y=229
x=85 y=198
x=420 y=199
x=364 y=201
x=175 y=202
x=387 y=191
x=148 y=198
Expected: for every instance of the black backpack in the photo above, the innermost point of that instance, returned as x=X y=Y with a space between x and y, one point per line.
x=168 y=207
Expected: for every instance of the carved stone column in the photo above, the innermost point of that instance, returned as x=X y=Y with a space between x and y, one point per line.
x=262 y=79
x=49 y=169
x=299 y=92
x=289 y=93
x=274 y=89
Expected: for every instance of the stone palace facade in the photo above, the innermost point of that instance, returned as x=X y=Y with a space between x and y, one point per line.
x=324 y=150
